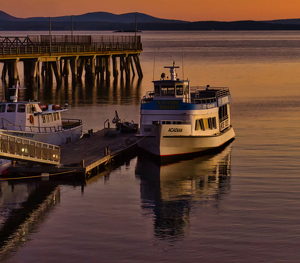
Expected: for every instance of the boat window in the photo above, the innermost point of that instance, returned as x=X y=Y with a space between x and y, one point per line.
x=167 y=91
x=2 y=107
x=179 y=90
x=223 y=114
x=214 y=123
x=199 y=125
x=21 y=108
x=156 y=90
x=166 y=122
x=209 y=123
x=11 y=107
x=177 y=122
x=30 y=108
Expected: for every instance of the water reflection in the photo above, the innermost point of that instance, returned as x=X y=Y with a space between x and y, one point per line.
x=171 y=191
x=23 y=206
x=86 y=90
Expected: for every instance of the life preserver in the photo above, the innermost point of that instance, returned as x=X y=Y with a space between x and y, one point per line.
x=31 y=119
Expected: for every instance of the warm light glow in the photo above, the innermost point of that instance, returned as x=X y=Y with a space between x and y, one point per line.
x=191 y=10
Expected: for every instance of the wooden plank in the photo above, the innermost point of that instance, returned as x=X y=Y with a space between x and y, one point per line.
x=92 y=149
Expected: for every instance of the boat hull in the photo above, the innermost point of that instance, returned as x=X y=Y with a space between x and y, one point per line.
x=56 y=138
x=179 y=145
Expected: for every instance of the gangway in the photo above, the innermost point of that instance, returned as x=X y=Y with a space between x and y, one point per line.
x=22 y=149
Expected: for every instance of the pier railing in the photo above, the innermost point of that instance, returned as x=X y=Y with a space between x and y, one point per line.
x=67 y=44
x=17 y=148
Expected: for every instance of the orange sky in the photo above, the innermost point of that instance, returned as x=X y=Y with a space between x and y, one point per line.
x=191 y=10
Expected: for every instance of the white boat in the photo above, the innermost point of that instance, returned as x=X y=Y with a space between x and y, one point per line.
x=38 y=122
x=177 y=119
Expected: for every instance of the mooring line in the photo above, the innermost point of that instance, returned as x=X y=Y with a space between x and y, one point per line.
x=30 y=177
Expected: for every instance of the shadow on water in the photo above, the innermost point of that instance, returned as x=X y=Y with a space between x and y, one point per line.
x=25 y=203
x=23 y=207
x=171 y=191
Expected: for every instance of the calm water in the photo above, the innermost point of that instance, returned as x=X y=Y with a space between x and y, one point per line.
x=240 y=205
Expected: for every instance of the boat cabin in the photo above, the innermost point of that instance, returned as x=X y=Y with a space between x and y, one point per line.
x=29 y=116
x=170 y=89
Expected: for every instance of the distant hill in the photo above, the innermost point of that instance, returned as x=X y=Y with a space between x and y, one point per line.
x=295 y=21
x=126 y=22
x=6 y=17
x=95 y=17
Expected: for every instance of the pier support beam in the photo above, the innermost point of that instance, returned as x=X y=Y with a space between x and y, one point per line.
x=73 y=63
x=131 y=64
x=90 y=68
x=101 y=67
x=80 y=68
x=127 y=68
x=115 y=67
x=66 y=67
x=93 y=66
x=138 y=66
x=13 y=72
x=48 y=71
x=33 y=71
x=55 y=67
x=4 y=71
x=122 y=66
x=107 y=66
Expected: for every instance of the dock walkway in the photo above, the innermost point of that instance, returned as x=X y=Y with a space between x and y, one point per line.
x=87 y=155
x=96 y=148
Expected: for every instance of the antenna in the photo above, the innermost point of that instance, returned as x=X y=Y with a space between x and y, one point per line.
x=17 y=88
x=37 y=89
x=182 y=65
x=154 y=63
x=50 y=37
x=72 y=29
x=135 y=30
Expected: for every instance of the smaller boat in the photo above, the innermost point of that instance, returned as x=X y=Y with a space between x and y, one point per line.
x=39 y=122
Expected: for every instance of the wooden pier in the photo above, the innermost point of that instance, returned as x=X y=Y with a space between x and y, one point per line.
x=88 y=155
x=59 y=56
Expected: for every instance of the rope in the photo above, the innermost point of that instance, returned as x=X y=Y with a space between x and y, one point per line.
x=29 y=177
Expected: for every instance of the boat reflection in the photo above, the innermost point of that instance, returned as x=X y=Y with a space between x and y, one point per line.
x=171 y=191
x=23 y=206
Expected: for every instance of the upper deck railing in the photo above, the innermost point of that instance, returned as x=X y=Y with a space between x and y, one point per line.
x=67 y=44
x=66 y=125
x=208 y=91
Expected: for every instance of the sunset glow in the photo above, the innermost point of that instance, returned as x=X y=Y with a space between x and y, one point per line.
x=190 y=10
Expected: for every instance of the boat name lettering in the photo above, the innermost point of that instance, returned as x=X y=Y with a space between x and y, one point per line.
x=167 y=105
x=174 y=130
x=28 y=135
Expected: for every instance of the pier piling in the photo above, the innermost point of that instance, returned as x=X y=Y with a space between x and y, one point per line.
x=76 y=53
